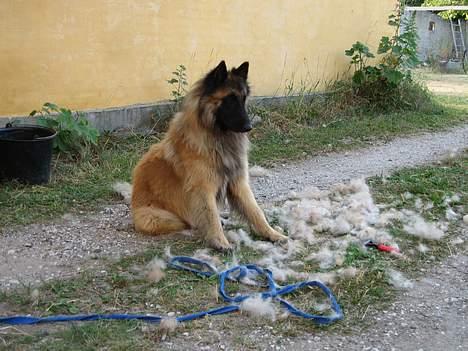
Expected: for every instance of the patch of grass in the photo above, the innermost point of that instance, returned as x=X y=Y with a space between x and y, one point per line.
x=116 y=335
x=448 y=84
x=78 y=185
x=429 y=183
x=273 y=142
x=454 y=103
x=357 y=257
x=432 y=184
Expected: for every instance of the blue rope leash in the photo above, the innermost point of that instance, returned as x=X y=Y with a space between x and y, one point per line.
x=204 y=269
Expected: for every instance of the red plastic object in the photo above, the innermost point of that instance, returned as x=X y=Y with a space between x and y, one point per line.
x=382 y=247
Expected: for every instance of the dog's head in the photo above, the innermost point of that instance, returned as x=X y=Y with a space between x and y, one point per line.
x=224 y=93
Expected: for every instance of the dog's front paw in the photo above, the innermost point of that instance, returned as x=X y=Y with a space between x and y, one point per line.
x=274 y=236
x=219 y=243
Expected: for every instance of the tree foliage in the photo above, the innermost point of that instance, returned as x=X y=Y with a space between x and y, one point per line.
x=412 y=2
x=449 y=14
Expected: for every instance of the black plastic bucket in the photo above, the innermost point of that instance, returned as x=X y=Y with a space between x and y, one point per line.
x=26 y=153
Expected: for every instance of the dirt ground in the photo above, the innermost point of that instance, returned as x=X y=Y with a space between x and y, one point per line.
x=448 y=84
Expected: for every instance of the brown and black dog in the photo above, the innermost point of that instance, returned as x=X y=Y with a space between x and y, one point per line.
x=201 y=161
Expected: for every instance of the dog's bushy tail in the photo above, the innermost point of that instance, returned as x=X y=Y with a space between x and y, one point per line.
x=123 y=189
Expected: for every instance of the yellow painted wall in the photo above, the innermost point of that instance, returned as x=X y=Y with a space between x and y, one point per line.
x=91 y=54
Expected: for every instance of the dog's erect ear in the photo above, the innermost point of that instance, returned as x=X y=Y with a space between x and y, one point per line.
x=216 y=77
x=242 y=71
x=220 y=72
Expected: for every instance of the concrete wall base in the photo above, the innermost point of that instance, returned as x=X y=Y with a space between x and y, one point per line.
x=143 y=117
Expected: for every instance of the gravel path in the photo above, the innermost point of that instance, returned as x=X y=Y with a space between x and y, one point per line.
x=323 y=171
x=433 y=316
x=40 y=252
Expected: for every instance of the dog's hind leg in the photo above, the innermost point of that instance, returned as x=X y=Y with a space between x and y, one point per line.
x=154 y=221
x=242 y=200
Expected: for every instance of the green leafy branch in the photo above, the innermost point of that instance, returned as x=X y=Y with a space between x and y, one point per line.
x=74 y=132
x=179 y=83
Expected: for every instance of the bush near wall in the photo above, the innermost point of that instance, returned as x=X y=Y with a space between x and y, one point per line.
x=449 y=14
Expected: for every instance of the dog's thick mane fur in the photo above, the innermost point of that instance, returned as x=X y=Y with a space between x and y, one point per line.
x=195 y=122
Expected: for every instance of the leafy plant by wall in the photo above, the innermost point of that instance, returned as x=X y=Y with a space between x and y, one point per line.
x=74 y=132
x=383 y=85
x=179 y=83
x=399 y=55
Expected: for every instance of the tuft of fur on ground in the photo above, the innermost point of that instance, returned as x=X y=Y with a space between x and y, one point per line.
x=348 y=273
x=398 y=280
x=167 y=326
x=155 y=270
x=167 y=252
x=258 y=307
x=417 y=226
x=321 y=224
x=423 y=248
x=257 y=171
x=123 y=189
x=204 y=255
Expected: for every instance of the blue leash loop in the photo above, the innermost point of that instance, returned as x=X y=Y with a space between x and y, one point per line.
x=204 y=269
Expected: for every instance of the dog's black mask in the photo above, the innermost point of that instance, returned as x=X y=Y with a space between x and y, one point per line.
x=231 y=115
